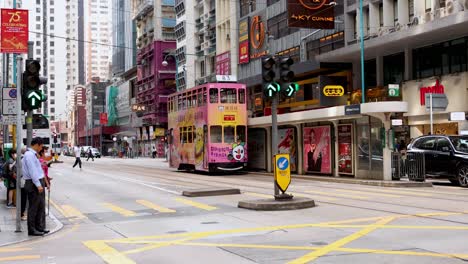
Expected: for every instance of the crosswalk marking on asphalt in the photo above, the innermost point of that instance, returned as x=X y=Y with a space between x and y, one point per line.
x=155 y=206
x=340 y=195
x=368 y=193
x=6 y=250
x=119 y=210
x=196 y=204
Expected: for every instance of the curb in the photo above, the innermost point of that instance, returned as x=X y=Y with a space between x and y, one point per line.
x=274 y=205
x=399 y=184
x=58 y=227
x=210 y=192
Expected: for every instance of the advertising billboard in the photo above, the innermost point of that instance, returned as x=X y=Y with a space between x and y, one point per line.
x=317 y=149
x=345 y=149
x=333 y=90
x=258 y=36
x=287 y=145
x=244 y=56
x=14 y=31
x=319 y=14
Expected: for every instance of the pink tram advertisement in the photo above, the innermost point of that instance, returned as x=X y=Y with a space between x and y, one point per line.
x=208 y=128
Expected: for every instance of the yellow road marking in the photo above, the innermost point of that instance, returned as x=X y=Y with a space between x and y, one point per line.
x=161 y=244
x=273 y=228
x=196 y=204
x=398 y=192
x=340 y=195
x=155 y=207
x=339 y=243
x=350 y=250
x=4 y=250
x=368 y=193
x=437 y=192
x=107 y=253
x=61 y=211
x=72 y=212
x=25 y=257
x=119 y=210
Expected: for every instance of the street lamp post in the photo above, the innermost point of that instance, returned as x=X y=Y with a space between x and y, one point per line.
x=165 y=63
x=361 y=16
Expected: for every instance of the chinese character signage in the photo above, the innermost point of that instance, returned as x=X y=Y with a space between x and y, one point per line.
x=317 y=149
x=103 y=118
x=14 y=31
x=223 y=63
x=333 y=90
x=244 y=41
x=317 y=14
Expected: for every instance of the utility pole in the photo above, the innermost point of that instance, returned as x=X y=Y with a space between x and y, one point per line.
x=29 y=114
x=19 y=140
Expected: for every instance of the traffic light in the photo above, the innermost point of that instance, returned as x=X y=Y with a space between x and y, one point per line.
x=270 y=87
x=288 y=88
x=55 y=138
x=32 y=97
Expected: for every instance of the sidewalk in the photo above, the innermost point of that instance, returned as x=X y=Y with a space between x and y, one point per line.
x=8 y=224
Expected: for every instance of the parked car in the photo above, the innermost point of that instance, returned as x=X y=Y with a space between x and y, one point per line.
x=96 y=153
x=445 y=156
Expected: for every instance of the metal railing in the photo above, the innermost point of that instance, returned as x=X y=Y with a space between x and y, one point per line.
x=410 y=165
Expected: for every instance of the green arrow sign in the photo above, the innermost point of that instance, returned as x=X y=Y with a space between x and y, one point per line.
x=35 y=98
x=290 y=89
x=271 y=89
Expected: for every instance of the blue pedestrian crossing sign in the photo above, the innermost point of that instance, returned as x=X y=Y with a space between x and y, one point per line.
x=282 y=171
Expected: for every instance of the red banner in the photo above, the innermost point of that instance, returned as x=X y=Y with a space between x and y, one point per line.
x=244 y=52
x=14 y=31
x=103 y=118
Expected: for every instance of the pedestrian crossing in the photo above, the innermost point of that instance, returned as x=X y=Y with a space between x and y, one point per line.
x=7 y=255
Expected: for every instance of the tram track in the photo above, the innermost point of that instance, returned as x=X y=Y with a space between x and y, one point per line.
x=259 y=186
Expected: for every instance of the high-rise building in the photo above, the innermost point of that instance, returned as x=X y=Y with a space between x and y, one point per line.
x=75 y=48
x=205 y=35
x=43 y=16
x=155 y=21
x=124 y=52
x=98 y=47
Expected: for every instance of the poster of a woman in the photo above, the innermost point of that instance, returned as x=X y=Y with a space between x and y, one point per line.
x=317 y=149
x=287 y=145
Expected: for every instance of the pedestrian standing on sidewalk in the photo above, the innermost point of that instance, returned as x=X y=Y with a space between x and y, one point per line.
x=90 y=154
x=154 y=152
x=77 y=152
x=24 y=195
x=9 y=170
x=34 y=186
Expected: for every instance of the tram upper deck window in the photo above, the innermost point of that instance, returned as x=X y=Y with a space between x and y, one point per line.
x=213 y=96
x=228 y=96
x=241 y=96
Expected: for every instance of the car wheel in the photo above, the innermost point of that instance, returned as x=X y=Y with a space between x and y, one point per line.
x=462 y=176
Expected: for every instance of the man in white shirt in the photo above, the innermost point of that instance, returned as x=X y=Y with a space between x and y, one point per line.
x=77 y=152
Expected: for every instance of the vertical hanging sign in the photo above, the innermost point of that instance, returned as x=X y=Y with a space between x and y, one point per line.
x=14 y=31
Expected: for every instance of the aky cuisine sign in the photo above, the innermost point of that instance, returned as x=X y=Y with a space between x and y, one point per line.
x=311 y=14
x=14 y=31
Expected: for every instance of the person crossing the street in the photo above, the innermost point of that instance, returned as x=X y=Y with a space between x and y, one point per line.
x=90 y=154
x=77 y=152
x=34 y=186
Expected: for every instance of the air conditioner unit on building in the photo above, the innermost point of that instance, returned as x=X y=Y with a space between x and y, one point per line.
x=414 y=22
x=427 y=17
x=440 y=13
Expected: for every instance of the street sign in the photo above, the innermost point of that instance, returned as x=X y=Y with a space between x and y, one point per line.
x=457 y=116
x=282 y=171
x=9 y=107
x=9 y=120
x=439 y=102
x=394 y=90
x=9 y=93
x=353 y=109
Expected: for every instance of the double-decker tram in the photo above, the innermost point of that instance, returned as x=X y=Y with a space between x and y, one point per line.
x=207 y=128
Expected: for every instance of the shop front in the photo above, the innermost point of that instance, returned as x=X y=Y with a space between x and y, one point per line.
x=454 y=86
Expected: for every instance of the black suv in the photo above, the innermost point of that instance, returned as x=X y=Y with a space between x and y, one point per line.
x=445 y=156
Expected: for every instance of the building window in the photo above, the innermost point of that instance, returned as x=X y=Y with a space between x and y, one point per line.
x=381 y=15
x=440 y=59
x=428 y=5
x=180 y=31
x=325 y=44
x=394 y=68
x=38 y=43
x=52 y=110
x=395 y=10
x=180 y=7
x=180 y=54
x=278 y=26
x=38 y=18
x=247 y=6
x=293 y=52
x=411 y=9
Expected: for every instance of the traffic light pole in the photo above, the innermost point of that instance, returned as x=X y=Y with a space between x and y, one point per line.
x=29 y=113
x=274 y=133
x=19 y=140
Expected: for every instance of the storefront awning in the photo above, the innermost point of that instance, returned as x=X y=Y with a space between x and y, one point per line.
x=329 y=114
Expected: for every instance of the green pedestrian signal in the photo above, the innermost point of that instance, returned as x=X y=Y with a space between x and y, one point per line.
x=289 y=89
x=271 y=89
x=34 y=98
